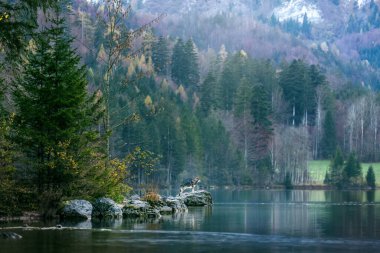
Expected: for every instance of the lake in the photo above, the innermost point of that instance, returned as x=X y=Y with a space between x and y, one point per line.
x=267 y=221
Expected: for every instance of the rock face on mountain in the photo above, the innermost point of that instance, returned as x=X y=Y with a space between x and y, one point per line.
x=197 y=198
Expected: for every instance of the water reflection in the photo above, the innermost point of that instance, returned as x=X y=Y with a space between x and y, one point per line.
x=314 y=214
x=239 y=221
x=371 y=196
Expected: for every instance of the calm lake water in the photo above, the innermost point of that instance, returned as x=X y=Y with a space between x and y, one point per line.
x=240 y=221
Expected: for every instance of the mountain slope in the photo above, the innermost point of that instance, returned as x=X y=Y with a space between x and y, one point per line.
x=339 y=30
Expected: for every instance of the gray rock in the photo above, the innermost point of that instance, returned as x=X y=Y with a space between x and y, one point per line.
x=135 y=197
x=197 y=198
x=140 y=209
x=105 y=208
x=76 y=209
x=153 y=213
x=177 y=204
x=10 y=235
x=136 y=208
x=165 y=210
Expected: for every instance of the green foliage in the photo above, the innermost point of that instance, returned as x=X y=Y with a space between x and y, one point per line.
x=192 y=64
x=208 y=92
x=352 y=172
x=334 y=175
x=54 y=117
x=299 y=83
x=234 y=70
x=49 y=101
x=178 y=67
x=160 y=56
x=18 y=19
x=8 y=197
x=184 y=67
x=370 y=178
x=328 y=142
x=261 y=106
x=306 y=26
x=344 y=174
x=141 y=162
x=288 y=181
x=243 y=98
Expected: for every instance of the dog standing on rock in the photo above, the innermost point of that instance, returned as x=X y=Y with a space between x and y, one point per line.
x=189 y=184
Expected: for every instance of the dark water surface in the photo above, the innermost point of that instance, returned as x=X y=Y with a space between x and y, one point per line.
x=239 y=221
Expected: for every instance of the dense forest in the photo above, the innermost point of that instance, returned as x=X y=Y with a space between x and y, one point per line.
x=93 y=102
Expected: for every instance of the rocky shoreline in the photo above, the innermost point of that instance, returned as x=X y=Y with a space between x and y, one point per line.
x=105 y=209
x=133 y=207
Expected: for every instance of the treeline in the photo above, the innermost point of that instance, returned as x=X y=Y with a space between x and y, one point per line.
x=348 y=174
x=150 y=111
x=234 y=119
x=292 y=26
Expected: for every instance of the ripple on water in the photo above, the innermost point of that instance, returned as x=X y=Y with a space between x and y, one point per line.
x=145 y=237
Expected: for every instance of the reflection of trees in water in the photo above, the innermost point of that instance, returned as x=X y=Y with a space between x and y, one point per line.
x=193 y=219
x=344 y=196
x=107 y=223
x=370 y=196
x=349 y=215
x=297 y=219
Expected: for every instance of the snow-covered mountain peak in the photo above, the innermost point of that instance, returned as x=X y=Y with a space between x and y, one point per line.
x=296 y=9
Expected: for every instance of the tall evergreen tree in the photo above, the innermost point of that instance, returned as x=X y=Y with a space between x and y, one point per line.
x=306 y=26
x=293 y=80
x=352 y=172
x=53 y=121
x=370 y=177
x=208 y=93
x=328 y=142
x=261 y=106
x=192 y=75
x=334 y=175
x=178 y=63
x=234 y=70
x=160 y=56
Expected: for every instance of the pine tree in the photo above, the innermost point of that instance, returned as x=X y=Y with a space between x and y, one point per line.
x=306 y=26
x=261 y=106
x=178 y=63
x=328 y=142
x=54 y=116
x=18 y=19
x=370 y=178
x=293 y=80
x=160 y=56
x=352 y=172
x=192 y=75
x=234 y=69
x=334 y=176
x=208 y=94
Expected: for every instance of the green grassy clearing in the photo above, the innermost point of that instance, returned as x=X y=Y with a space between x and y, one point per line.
x=318 y=168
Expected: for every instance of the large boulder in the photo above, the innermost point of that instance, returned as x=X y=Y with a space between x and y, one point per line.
x=197 y=198
x=105 y=208
x=176 y=203
x=76 y=209
x=135 y=208
x=140 y=209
